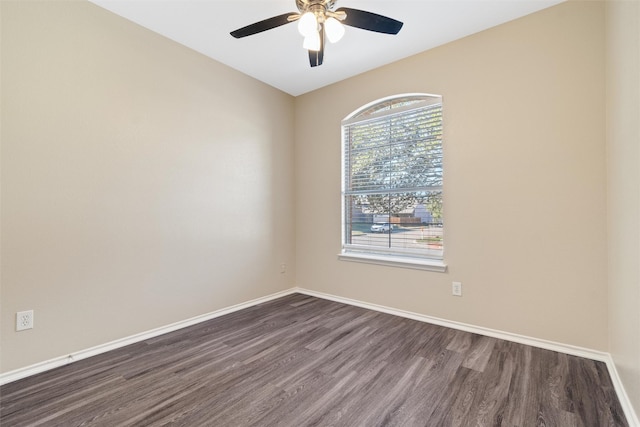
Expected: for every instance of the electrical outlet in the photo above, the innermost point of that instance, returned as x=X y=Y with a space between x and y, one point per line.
x=456 y=289
x=283 y=268
x=24 y=320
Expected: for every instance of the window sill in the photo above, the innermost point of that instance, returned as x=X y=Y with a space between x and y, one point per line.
x=395 y=261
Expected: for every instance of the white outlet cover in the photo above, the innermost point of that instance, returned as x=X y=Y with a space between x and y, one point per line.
x=456 y=289
x=24 y=320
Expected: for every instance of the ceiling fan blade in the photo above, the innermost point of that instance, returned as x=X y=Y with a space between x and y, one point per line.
x=370 y=21
x=261 y=26
x=316 y=57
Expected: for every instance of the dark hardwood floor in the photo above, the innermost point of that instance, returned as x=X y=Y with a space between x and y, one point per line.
x=304 y=361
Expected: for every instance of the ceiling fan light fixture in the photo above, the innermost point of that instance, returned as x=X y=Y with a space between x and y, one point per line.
x=308 y=24
x=318 y=21
x=334 y=29
x=312 y=42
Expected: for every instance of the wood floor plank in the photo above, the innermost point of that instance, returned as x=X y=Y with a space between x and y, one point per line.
x=304 y=361
x=479 y=353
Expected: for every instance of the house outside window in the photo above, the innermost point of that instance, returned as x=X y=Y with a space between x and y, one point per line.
x=392 y=183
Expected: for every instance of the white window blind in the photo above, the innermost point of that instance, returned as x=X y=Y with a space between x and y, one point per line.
x=392 y=179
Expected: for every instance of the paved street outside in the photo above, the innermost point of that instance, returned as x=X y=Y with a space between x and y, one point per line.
x=402 y=237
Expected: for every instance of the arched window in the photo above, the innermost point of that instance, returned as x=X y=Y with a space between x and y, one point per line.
x=392 y=182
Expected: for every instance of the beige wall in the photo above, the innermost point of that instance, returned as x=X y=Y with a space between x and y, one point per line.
x=623 y=190
x=127 y=161
x=524 y=180
x=142 y=183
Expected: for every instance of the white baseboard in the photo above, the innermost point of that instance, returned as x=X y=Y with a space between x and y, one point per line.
x=37 y=368
x=627 y=407
x=535 y=342
x=629 y=412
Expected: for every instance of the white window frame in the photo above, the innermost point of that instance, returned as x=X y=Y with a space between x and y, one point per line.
x=407 y=258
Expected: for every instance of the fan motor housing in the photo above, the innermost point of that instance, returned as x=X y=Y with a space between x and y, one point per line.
x=305 y=5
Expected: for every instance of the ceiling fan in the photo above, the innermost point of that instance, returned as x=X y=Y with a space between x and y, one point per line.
x=317 y=19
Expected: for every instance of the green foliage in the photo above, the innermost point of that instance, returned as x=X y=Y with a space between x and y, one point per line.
x=396 y=162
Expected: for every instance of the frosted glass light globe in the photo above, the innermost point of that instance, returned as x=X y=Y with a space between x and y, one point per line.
x=334 y=29
x=312 y=41
x=307 y=24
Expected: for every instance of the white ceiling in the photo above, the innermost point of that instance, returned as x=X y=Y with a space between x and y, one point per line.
x=277 y=58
